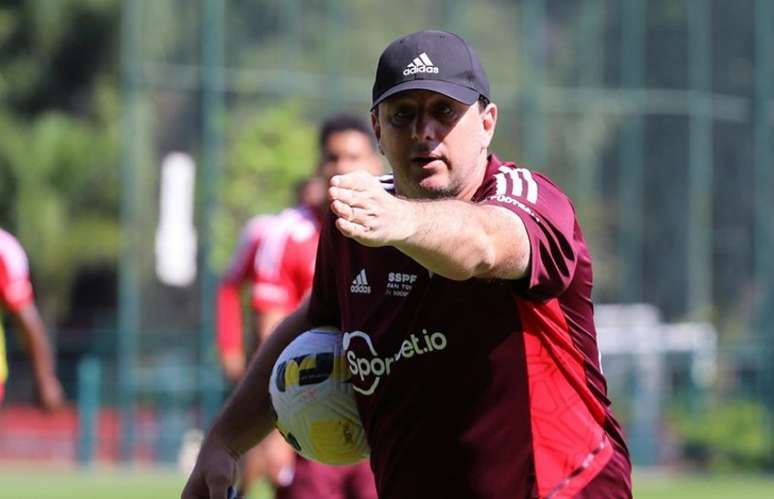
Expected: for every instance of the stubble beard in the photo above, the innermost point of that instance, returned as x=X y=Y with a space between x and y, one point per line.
x=416 y=191
x=412 y=189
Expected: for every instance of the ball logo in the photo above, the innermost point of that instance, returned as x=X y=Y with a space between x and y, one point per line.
x=370 y=369
x=304 y=370
x=309 y=369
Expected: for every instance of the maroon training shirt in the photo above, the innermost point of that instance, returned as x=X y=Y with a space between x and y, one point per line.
x=481 y=388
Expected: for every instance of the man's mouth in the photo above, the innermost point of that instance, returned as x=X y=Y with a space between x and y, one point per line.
x=423 y=161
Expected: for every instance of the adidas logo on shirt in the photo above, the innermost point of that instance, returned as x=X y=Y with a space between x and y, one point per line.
x=420 y=64
x=360 y=284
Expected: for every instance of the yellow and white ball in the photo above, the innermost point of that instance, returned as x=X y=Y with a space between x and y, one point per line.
x=313 y=401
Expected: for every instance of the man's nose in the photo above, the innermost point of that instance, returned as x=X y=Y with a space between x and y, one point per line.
x=424 y=127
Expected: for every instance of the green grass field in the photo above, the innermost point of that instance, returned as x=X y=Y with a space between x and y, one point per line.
x=23 y=483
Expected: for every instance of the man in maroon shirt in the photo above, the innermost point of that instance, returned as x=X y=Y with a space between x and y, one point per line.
x=463 y=287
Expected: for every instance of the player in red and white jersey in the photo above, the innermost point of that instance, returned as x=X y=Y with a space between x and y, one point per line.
x=16 y=297
x=241 y=270
x=276 y=254
x=463 y=287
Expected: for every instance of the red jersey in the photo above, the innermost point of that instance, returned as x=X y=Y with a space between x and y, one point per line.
x=284 y=261
x=15 y=287
x=481 y=388
x=242 y=265
x=276 y=255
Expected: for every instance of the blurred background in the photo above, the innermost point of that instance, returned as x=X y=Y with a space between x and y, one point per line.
x=657 y=117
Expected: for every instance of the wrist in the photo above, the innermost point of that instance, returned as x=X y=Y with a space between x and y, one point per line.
x=217 y=439
x=409 y=221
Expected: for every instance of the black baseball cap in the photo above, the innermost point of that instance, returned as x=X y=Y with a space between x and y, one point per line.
x=430 y=60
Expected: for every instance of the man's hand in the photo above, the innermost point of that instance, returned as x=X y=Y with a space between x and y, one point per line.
x=367 y=213
x=214 y=472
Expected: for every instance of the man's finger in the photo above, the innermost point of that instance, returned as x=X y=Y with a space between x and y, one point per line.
x=189 y=493
x=350 y=229
x=345 y=182
x=357 y=180
x=219 y=489
x=357 y=216
x=348 y=196
x=343 y=210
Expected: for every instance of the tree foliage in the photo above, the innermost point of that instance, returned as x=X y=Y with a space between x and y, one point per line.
x=59 y=137
x=266 y=154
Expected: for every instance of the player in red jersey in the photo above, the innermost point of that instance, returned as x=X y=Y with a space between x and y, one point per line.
x=17 y=299
x=463 y=286
x=276 y=254
x=244 y=269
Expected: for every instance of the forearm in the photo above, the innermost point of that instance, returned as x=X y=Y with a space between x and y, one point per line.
x=229 y=322
x=453 y=238
x=461 y=240
x=246 y=418
x=36 y=342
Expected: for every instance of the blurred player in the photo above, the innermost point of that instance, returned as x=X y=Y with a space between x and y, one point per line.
x=276 y=255
x=16 y=297
x=243 y=271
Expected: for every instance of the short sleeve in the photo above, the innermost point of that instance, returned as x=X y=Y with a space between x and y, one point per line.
x=15 y=286
x=241 y=267
x=549 y=218
x=284 y=264
x=324 y=304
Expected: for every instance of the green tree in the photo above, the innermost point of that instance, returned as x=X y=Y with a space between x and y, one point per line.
x=58 y=137
x=266 y=154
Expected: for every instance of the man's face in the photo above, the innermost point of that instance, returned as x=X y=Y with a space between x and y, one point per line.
x=436 y=145
x=347 y=151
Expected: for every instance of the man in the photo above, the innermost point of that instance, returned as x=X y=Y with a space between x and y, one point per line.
x=478 y=300
x=277 y=254
x=17 y=299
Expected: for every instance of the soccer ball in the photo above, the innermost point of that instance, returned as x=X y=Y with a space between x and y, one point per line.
x=313 y=402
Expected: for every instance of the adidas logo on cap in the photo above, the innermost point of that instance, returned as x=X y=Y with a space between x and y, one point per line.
x=420 y=64
x=360 y=284
x=405 y=65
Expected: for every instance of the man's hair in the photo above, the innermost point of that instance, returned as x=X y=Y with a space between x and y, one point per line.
x=344 y=123
x=482 y=102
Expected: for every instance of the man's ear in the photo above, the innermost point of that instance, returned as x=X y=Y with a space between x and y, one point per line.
x=488 y=123
x=377 y=130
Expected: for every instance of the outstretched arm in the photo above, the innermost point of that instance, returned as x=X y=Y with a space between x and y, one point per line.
x=456 y=239
x=36 y=343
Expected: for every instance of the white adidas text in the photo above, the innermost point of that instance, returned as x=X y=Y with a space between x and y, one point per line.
x=420 y=64
x=360 y=284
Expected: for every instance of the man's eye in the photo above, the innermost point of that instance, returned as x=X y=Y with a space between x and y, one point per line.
x=445 y=110
x=401 y=116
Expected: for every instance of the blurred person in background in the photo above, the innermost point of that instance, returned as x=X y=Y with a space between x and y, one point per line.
x=16 y=298
x=276 y=256
x=495 y=389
